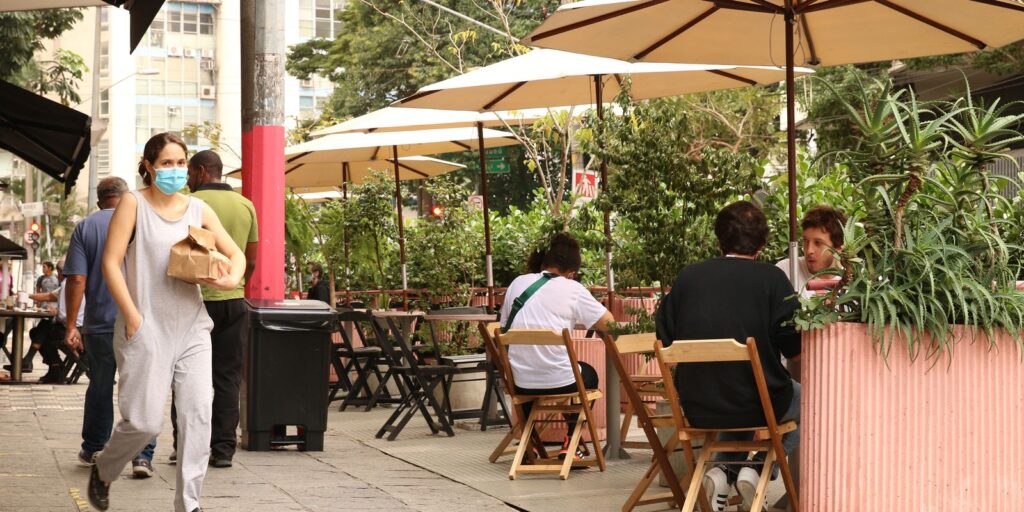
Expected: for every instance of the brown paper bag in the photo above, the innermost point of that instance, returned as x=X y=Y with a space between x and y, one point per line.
x=196 y=257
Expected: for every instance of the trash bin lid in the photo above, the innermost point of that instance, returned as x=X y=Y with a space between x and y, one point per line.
x=288 y=304
x=291 y=315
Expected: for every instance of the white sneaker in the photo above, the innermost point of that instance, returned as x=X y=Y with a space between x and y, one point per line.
x=746 y=485
x=716 y=488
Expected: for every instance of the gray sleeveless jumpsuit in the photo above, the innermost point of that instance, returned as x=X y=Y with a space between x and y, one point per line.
x=171 y=348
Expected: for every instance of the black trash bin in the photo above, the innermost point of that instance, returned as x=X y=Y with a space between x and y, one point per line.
x=286 y=373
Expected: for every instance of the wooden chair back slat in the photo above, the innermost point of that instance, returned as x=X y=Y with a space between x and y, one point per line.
x=531 y=337
x=704 y=351
x=636 y=343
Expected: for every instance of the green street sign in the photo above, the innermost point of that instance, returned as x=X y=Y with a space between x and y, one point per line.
x=495 y=153
x=498 y=166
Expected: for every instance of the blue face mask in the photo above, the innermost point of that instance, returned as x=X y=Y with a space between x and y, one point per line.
x=171 y=179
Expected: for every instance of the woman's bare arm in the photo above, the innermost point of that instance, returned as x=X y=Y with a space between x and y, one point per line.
x=119 y=234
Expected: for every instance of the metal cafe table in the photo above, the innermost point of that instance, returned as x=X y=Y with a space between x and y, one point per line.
x=18 y=345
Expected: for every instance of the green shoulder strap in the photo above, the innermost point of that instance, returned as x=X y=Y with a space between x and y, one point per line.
x=519 y=301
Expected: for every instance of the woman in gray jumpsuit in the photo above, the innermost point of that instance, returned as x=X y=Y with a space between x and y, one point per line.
x=162 y=331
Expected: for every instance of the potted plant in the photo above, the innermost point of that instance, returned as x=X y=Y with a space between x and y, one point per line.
x=920 y=343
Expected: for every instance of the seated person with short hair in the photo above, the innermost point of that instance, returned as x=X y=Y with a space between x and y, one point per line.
x=52 y=337
x=734 y=296
x=559 y=303
x=822 y=235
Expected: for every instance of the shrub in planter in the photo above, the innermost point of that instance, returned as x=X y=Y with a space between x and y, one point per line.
x=927 y=247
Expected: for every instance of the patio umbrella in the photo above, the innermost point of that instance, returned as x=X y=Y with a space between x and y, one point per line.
x=394 y=119
x=552 y=77
x=44 y=133
x=329 y=174
x=362 y=147
x=397 y=119
x=774 y=32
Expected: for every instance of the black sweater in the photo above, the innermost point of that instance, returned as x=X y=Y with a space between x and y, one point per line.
x=731 y=298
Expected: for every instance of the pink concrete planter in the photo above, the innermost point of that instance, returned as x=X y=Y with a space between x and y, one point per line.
x=910 y=436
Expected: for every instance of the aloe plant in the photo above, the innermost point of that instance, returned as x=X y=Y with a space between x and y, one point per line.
x=926 y=248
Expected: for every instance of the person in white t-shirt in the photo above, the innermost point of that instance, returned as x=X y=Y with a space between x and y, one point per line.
x=560 y=303
x=822 y=236
x=53 y=336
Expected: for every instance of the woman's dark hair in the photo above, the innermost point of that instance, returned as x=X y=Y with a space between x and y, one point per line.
x=152 y=150
x=827 y=219
x=741 y=228
x=562 y=253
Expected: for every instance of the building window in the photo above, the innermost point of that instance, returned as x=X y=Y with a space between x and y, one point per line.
x=324 y=17
x=307 y=107
x=103 y=158
x=105 y=103
x=104 y=57
x=173 y=21
x=206 y=23
x=189 y=23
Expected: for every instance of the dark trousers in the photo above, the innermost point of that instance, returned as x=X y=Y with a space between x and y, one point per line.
x=98 y=417
x=228 y=337
x=590 y=381
x=50 y=346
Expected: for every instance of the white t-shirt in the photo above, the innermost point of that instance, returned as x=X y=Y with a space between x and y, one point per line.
x=560 y=304
x=803 y=274
x=62 y=307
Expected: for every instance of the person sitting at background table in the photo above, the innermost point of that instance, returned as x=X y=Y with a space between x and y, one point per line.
x=735 y=296
x=51 y=337
x=557 y=302
x=822 y=237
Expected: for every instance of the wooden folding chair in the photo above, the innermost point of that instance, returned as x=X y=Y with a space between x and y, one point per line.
x=503 y=373
x=767 y=438
x=569 y=403
x=347 y=358
x=647 y=344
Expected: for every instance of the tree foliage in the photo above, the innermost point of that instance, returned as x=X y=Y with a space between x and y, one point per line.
x=673 y=164
x=23 y=33
x=389 y=48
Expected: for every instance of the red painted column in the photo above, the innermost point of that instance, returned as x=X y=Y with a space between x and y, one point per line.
x=263 y=177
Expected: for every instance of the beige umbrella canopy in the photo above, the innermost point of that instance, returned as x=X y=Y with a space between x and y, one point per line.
x=362 y=147
x=544 y=78
x=391 y=119
x=329 y=174
x=779 y=32
x=828 y=32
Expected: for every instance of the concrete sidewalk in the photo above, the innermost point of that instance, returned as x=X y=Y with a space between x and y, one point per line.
x=40 y=436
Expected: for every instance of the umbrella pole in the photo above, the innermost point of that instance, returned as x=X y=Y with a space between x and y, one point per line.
x=609 y=273
x=612 y=445
x=344 y=197
x=487 y=215
x=794 y=253
x=401 y=230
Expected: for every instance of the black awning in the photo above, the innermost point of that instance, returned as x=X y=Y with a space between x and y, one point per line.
x=9 y=249
x=142 y=14
x=48 y=135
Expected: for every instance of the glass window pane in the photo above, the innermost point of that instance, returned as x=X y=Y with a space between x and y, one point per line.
x=306 y=28
x=306 y=101
x=323 y=28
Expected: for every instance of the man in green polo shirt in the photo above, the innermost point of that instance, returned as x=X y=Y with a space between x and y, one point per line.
x=226 y=308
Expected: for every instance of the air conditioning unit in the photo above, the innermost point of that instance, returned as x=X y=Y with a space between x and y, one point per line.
x=306 y=83
x=190 y=53
x=208 y=92
x=208 y=53
x=173 y=110
x=174 y=51
x=207 y=65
